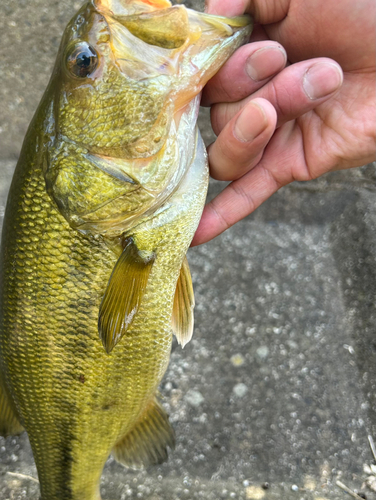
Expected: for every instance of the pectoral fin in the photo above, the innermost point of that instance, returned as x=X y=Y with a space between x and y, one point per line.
x=184 y=303
x=123 y=295
x=9 y=423
x=146 y=444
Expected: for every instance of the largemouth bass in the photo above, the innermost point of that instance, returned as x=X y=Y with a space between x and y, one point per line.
x=105 y=199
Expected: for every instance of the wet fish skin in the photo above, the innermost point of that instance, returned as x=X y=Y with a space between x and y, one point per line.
x=107 y=164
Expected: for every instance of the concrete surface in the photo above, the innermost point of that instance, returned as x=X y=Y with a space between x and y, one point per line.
x=275 y=396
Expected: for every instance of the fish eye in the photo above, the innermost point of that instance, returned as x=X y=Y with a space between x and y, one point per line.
x=82 y=60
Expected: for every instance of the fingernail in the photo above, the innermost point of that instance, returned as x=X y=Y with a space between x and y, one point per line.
x=322 y=79
x=265 y=62
x=250 y=123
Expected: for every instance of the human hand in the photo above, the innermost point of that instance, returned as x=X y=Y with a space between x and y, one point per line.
x=309 y=119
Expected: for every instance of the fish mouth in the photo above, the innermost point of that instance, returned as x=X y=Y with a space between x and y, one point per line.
x=160 y=24
x=152 y=38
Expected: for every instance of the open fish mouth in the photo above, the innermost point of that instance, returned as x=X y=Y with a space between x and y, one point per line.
x=151 y=35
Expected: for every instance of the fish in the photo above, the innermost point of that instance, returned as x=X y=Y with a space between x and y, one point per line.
x=106 y=196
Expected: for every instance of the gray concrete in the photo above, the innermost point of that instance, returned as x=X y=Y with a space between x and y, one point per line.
x=278 y=383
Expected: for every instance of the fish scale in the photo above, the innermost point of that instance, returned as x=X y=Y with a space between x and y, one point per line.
x=132 y=112
x=91 y=262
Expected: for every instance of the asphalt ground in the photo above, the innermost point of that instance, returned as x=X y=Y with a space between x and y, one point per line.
x=274 y=397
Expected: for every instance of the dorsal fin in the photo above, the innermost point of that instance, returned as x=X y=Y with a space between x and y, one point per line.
x=9 y=423
x=146 y=444
x=123 y=295
x=184 y=303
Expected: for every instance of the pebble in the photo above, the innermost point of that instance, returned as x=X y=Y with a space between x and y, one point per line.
x=262 y=352
x=240 y=390
x=194 y=398
x=309 y=483
x=237 y=360
x=255 y=493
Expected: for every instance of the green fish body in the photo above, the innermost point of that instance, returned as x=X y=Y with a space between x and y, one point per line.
x=105 y=199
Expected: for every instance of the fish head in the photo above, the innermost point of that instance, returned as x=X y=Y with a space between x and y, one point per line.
x=127 y=66
x=124 y=72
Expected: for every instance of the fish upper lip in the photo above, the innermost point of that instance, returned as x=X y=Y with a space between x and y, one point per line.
x=110 y=6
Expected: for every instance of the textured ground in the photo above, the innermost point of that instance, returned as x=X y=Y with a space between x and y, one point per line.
x=277 y=388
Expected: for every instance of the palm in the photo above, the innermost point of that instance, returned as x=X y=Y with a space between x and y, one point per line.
x=338 y=133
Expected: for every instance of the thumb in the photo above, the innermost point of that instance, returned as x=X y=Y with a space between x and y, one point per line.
x=263 y=11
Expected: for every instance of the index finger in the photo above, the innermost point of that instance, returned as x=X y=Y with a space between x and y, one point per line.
x=236 y=201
